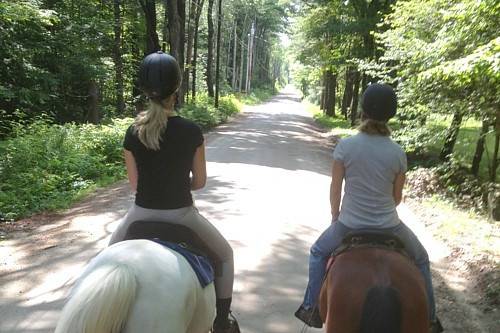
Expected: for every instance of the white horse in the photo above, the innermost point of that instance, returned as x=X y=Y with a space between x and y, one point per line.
x=138 y=286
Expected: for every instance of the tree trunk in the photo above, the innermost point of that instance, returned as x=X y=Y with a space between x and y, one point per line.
x=195 y=48
x=250 y=58
x=117 y=57
x=478 y=155
x=235 y=52
x=152 y=42
x=190 y=42
x=324 y=91
x=495 y=159
x=451 y=136
x=332 y=84
x=176 y=19
x=347 y=97
x=217 y=65
x=355 y=97
x=227 y=63
x=210 y=54
x=93 y=113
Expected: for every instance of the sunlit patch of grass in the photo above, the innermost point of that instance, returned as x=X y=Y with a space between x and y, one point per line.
x=464 y=228
x=465 y=145
x=339 y=126
x=256 y=96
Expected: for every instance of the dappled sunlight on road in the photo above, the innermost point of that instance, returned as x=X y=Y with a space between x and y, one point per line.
x=44 y=264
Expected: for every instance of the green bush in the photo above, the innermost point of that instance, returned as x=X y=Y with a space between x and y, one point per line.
x=47 y=166
x=203 y=112
x=257 y=95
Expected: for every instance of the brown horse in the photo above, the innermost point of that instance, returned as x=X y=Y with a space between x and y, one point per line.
x=374 y=290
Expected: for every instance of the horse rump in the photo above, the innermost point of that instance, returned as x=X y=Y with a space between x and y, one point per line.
x=381 y=311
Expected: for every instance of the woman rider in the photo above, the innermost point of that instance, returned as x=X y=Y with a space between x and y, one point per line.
x=373 y=167
x=161 y=150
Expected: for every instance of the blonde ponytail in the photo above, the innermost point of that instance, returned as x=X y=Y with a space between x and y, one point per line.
x=152 y=123
x=374 y=127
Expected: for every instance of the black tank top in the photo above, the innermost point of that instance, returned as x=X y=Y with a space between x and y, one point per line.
x=164 y=174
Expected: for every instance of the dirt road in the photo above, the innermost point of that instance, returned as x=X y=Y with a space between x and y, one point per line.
x=268 y=194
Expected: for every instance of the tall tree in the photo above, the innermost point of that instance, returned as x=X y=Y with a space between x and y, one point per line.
x=176 y=19
x=117 y=57
x=199 y=10
x=210 y=53
x=217 y=66
x=152 y=41
x=190 y=43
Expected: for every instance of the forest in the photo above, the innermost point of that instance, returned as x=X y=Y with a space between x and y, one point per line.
x=443 y=57
x=68 y=90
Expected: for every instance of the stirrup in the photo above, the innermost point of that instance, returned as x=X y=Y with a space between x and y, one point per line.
x=234 y=327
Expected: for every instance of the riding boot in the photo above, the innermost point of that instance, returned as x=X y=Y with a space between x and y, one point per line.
x=222 y=322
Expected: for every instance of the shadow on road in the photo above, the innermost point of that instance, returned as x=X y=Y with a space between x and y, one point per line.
x=286 y=136
x=272 y=292
x=48 y=261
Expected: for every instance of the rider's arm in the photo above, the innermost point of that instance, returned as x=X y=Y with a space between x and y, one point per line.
x=338 y=171
x=199 y=169
x=399 y=183
x=131 y=169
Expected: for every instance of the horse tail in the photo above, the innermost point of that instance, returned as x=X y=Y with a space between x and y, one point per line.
x=101 y=301
x=381 y=311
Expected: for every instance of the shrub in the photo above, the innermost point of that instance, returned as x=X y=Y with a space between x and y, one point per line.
x=47 y=166
x=203 y=112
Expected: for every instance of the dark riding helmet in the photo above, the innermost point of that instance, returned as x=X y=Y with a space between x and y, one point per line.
x=379 y=102
x=159 y=76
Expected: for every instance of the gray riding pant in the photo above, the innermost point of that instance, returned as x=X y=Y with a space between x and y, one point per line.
x=191 y=218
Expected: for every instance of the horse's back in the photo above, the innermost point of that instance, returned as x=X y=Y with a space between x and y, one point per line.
x=355 y=272
x=169 y=297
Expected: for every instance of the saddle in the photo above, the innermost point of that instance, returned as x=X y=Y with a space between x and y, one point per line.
x=371 y=238
x=172 y=233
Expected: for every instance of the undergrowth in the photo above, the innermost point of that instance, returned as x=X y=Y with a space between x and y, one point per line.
x=45 y=166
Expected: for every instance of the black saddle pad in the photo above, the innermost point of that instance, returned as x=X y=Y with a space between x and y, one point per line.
x=371 y=238
x=174 y=233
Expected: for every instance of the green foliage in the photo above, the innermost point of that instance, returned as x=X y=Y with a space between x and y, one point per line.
x=203 y=112
x=46 y=166
x=257 y=95
x=339 y=126
x=445 y=53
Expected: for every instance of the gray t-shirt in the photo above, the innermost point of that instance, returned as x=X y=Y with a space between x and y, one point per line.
x=371 y=164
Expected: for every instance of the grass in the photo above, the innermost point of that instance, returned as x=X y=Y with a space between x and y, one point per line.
x=338 y=126
x=456 y=223
x=472 y=239
x=466 y=141
x=256 y=96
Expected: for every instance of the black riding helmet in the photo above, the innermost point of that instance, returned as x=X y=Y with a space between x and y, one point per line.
x=379 y=102
x=159 y=76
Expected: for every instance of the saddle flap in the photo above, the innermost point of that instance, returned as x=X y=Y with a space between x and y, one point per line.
x=169 y=232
